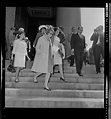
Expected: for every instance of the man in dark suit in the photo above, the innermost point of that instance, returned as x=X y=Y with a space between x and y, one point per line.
x=72 y=57
x=61 y=35
x=98 y=46
x=78 y=47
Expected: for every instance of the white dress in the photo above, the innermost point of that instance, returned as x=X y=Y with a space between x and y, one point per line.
x=55 y=47
x=20 y=51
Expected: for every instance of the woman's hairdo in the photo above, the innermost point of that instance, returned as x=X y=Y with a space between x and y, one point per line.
x=49 y=29
x=80 y=27
x=60 y=27
x=56 y=28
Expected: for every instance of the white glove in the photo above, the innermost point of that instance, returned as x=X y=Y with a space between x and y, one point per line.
x=54 y=48
x=72 y=50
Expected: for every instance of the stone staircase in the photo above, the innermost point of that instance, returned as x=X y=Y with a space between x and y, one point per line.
x=78 y=92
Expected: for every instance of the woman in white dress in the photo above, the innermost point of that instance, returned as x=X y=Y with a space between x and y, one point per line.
x=20 y=51
x=43 y=58
x=58 y=47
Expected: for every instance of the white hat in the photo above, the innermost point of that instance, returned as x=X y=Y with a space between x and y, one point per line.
x=21 y=30
x=42 y=26
x=26 y=37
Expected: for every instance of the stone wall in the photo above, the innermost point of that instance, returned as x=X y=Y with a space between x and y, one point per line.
x=68 y=17
x=9 y=22
x=110 y=62
x=110 y=29
x=10 y=19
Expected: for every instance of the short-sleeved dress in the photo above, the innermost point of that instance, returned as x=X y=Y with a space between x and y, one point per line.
x=57 y=57
x=20 y=51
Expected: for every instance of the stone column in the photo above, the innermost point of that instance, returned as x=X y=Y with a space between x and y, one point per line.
x=110 y=61
x=10 y=21
x=68 y=17
x=110 y=29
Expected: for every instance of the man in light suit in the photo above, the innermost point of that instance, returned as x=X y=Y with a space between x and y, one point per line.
x=78 y=47
x=98 y=46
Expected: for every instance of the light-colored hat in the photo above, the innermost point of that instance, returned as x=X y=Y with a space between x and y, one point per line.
x=42 y=26
x=21 y=30
x=26 y=38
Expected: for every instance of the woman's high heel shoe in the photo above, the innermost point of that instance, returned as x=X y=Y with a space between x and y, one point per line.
x=63 y=79
x=35 y=80
x=16 y=80
x=47 y=89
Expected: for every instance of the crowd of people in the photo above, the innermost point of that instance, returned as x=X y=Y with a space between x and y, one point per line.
x=51 y=48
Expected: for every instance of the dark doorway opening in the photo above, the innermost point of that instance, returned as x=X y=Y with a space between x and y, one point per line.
x=34 y=23
x=31 y=21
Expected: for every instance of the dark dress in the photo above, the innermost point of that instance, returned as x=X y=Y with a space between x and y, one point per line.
x=78 y=44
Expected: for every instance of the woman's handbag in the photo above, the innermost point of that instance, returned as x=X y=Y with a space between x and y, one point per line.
x=11 y=68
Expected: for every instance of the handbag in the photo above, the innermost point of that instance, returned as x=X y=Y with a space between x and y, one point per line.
x=11 y=68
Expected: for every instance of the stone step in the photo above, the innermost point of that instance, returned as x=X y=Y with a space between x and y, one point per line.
x=56 y=85
x=30 y=63
x=53 y=102
x=67 y=69
x=29 y=74
x=57 y=79
x=54 y=93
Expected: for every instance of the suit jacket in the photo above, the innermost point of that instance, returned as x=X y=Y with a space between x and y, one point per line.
x=62 y=37
x=94 y=38
x=78 y=43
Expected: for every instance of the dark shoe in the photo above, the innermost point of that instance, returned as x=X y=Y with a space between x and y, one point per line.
x=63 y=79
x=71 y=65
x=47 y=89
x=80 y=74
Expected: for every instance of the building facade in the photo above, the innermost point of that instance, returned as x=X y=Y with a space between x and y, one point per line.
x=31 y=17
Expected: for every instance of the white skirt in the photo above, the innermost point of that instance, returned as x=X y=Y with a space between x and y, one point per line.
x=19 y=60
x=57 y=58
